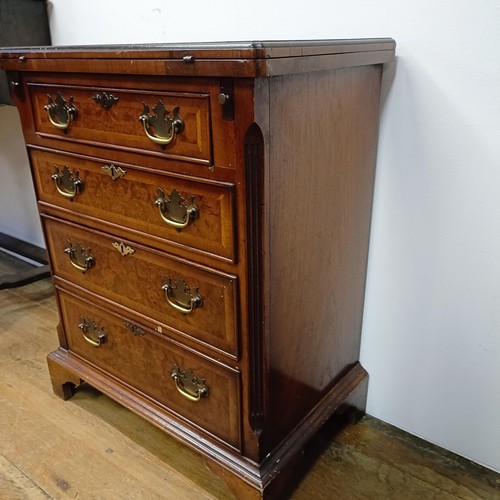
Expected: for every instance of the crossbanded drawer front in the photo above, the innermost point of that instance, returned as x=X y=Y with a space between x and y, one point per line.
x=173 y=124
x=179 y=297
x=199 y=390
x=192 y=213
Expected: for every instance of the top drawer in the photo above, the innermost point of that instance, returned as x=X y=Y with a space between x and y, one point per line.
x=174 y=124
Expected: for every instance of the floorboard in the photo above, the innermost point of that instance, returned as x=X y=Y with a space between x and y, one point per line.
x=91 y=448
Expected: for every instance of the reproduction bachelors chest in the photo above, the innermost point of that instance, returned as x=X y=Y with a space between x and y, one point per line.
x=206 y=209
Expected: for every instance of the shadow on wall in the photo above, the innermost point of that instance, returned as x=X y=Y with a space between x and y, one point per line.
x=431 y=312
x=388 y=76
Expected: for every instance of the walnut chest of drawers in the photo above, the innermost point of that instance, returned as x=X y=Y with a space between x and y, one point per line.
x=206 y=209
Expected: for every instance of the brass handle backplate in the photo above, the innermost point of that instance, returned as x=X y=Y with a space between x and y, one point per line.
x=79 y=257
x=189 y=385
x=165 y=127
x=61 y=113
x=92 y=333
x=67 y=183
x=180 y=297
x=174 y=211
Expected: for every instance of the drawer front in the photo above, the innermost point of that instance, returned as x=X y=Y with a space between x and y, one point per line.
x=191 y=213
x=146 y=362
x=174 y=124
x=179 y=297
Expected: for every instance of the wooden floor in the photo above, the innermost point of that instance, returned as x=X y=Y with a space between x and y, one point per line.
x=91 y=448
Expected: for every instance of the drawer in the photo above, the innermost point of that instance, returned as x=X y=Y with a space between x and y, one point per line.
x=192 y=213
x=203 y=392
x=181 y=298
x=173 y=124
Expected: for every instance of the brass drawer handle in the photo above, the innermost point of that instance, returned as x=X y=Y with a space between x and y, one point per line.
x=67 y=183
x=189 y=385
x=164 y=127
x=180 y=297
x=60 y=113
x=92 y=333
x=79 y=258
x=174 y=211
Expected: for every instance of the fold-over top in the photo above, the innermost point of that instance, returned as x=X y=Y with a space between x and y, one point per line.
x=232 y=59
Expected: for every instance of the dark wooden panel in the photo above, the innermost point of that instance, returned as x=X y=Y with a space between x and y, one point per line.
x=254 y=165
x=321 y=175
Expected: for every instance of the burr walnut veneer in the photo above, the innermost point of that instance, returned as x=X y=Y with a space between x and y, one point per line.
x=206 y=209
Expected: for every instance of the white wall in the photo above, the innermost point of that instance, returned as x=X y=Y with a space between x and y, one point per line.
x=18 y=213
x=431 y=327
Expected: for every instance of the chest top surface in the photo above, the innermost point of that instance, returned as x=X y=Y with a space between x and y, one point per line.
x=236 y=59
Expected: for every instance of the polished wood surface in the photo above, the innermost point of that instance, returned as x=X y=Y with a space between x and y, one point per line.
x=146 y=362
x=237 y=59
x=115 y=454
x=120 y=125
x=275 y=261
x=211 y=50
x=222 y=156
x=320 y=198
x=129 y=202
x=136 y=282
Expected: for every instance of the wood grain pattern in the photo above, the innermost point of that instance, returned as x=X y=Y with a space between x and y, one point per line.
x=130 y=202
x=120 y=125
x=146 y=361
x=243 y=59
x=223 y=132
x=135 y=282
x=320 y=205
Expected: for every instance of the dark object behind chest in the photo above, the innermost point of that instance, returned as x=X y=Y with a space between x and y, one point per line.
x=22 y=23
